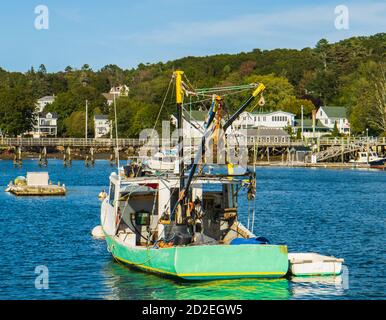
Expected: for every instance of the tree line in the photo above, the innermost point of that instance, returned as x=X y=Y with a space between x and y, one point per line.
x=348 y=73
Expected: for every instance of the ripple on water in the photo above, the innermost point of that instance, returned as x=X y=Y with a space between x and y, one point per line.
x=337 y=212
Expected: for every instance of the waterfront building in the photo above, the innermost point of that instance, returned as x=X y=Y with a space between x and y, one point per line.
x=102 y=126
x=275 y=119
x=329 y=116
x=261 y=135
x=266 y=126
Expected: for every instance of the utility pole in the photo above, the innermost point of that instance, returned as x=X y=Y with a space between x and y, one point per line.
x=368 y=145
x=86 y=119
x=302 y=122
x=313 y=123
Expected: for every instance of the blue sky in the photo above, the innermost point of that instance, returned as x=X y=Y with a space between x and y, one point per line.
x=128 y=32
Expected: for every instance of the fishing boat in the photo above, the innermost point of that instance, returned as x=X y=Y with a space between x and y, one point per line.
x=173 y=225
x=379 y=167
x=185 y=223
x=371 y=158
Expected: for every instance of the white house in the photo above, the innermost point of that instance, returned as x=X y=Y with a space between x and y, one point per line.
x=43 y=102
x=121 y=90
x=118 y=91
x=101 y=126
x=276 y=119
x=46 y=125
x=193 y=123
x=331 y=115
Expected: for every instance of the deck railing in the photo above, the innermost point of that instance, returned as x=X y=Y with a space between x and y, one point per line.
x=125 y=143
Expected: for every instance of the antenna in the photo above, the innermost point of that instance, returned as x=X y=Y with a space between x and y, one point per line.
x=116 y=131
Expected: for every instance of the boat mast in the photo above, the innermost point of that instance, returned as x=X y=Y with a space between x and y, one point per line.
x=179 y=100
x=116 y=132
x=259 y=90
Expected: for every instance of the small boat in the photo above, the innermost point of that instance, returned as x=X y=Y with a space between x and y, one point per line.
x=313 y=264
x=162 y=161
x=35 y=184
x=371 y=158
x=378 y=167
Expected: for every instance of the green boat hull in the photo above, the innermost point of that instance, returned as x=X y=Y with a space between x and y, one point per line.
x=207 y=262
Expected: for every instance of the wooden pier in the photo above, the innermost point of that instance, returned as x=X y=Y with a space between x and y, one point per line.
x=260 y=148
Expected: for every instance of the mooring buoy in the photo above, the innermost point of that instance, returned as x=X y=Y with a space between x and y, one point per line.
x=97 y=233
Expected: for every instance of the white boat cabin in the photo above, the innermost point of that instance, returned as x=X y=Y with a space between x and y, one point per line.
x=138 y=211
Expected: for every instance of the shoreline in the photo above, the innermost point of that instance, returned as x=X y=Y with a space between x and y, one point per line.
x=261 y=164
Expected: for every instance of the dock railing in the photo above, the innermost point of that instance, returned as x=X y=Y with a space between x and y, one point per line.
x=130 y=142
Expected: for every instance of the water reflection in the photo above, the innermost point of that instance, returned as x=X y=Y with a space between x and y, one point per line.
x=317 y=287
x=127 y=283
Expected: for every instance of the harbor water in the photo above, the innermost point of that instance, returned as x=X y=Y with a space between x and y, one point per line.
x=332 y=212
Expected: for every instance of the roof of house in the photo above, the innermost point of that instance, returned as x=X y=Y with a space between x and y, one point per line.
x=307 y=123
x=47 y=98
x=271 y=112
x=44 y=115
x=101 y=117
x=266 y=132
x=335 y=112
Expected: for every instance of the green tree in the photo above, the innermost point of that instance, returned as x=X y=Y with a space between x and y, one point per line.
x=293 y=105
x=277 y=89
x=299 y=134
x=335 y=131
x=75 y=100
x=16 y=111
x=289 y=130
x=364 y=93
x=75 y=124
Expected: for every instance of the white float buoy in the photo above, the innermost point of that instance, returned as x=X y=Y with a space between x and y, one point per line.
x=97 y=233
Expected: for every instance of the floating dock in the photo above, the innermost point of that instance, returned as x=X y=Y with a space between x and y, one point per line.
x=36 y=184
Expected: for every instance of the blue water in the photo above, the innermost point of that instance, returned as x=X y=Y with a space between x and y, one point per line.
x=334 y=212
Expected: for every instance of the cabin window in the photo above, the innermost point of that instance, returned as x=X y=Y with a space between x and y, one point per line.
x=112 y=194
